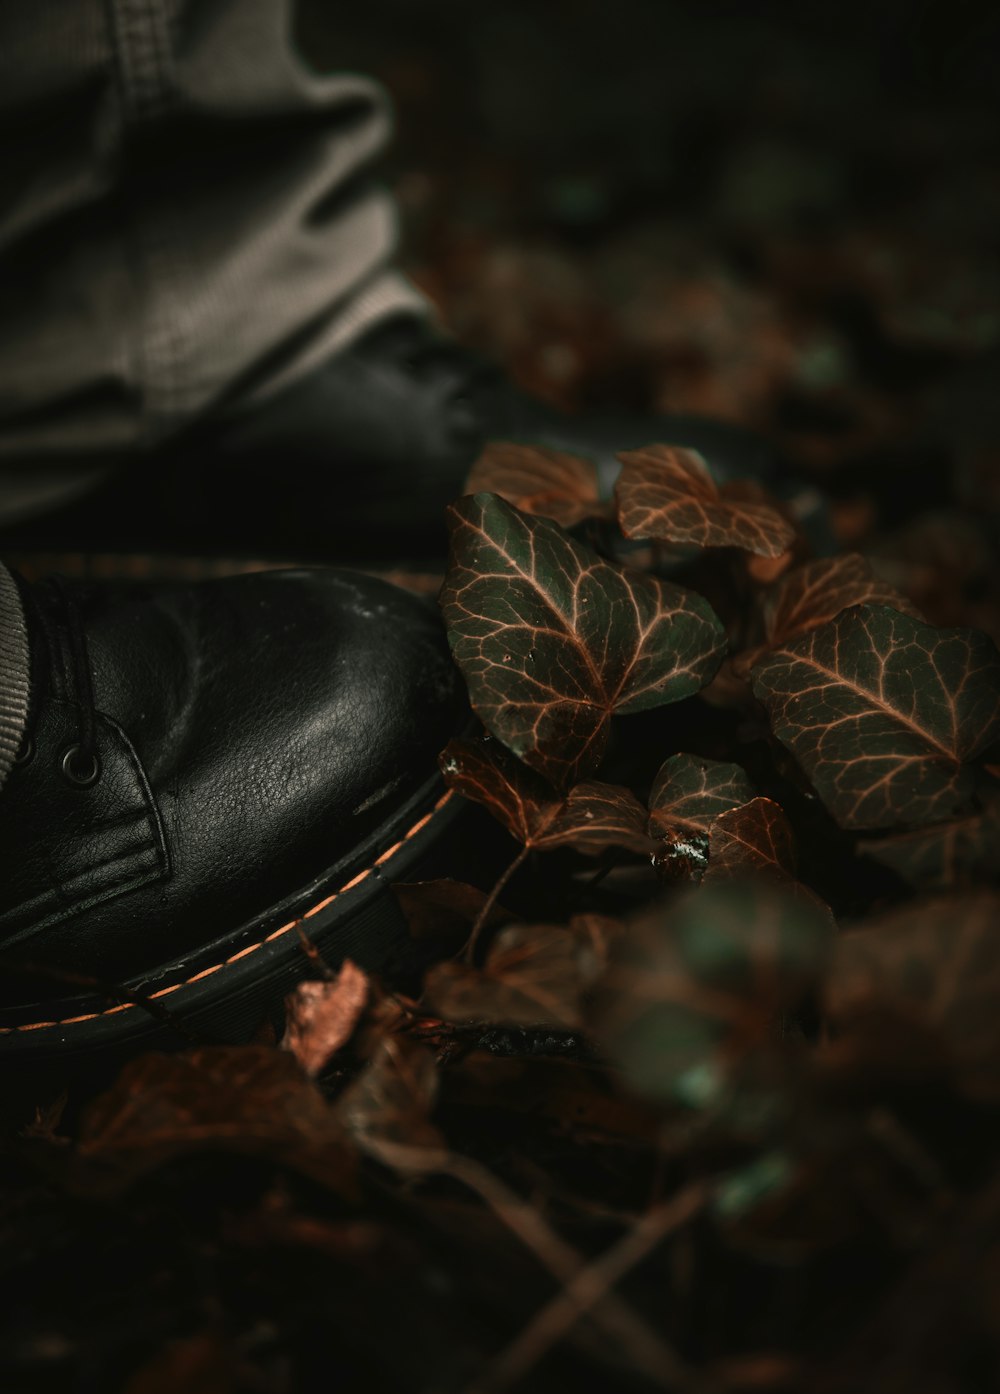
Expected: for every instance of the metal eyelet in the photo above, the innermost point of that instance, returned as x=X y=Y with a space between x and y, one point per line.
x=25 y=753
x=81 y=767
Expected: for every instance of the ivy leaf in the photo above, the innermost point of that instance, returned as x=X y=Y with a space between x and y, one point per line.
x=945 y=856
x=690 y=792
x=757 y=840
x=884 y=714
x=552 y=640
x=546 y=483
x=696 y=985
x=534 y=975
x=756 y=837
x=816 y=593
x=591 y=817
x=933 y=964
x=667 y=492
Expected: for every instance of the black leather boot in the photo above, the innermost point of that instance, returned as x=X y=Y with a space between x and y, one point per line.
x=359 y=459
x=210 y=772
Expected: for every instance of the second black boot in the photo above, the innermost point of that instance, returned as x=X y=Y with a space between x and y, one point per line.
x=358 y=459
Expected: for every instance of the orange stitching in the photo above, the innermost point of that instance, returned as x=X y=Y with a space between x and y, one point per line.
x=73 y=1020
x=207 y=972
x=315 y=909
x=421 y=824
x=277 y=933
x=356 y=880
x=250 y=948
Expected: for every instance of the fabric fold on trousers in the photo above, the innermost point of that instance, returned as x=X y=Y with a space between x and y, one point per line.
x=186 y=220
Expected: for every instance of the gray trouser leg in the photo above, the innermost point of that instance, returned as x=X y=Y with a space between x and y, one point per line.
x=14 y=673
x=185 y=221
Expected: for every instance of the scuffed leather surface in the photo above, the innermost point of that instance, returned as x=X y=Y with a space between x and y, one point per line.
x=68 y=848
x=278 y=717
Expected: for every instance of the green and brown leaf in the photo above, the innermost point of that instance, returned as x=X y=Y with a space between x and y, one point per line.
x=545 y=483
x=945 y=856
x=667 y=492
x=552 y=640
x=885 y=714
x=533 y=975
x=754 y=838
x=690 y=791
x=816 y=593
x=591 y=817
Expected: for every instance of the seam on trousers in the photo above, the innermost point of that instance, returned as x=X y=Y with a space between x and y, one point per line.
x=143 y=45
x=15 y=671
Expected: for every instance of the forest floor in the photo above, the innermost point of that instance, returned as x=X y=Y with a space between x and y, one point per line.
x=470 y=1191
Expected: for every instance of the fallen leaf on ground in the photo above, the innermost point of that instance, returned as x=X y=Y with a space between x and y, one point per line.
x=392 y=1099
x=534 y=975
x=247 y=1099
x=320 y=1017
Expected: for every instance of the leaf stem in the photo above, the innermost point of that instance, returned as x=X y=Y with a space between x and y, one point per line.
x=490 y=902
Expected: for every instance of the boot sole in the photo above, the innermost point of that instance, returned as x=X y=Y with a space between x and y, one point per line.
x=349 y=911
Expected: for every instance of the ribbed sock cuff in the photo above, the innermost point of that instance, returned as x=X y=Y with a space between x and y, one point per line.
x=15 y=673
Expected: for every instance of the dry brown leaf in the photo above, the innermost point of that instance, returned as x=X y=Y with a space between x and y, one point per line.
x=546 y=483
x=668 y=492
x=534 y=975
x=392 y=1099
x=814 y=594
x=932 y=964
x=247 y=1099
x=320 y=1017
x=756 y=837
x=591 y=817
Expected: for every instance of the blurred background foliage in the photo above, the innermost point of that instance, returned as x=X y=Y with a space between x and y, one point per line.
x=781 y=214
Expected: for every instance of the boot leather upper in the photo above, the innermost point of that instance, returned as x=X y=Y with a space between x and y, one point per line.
x=250 y=731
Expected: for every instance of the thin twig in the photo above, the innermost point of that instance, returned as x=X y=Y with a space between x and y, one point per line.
x=648 y=1353
x=883 y=1125
x=314 y=956
x=609 y=865
x=590 y=1286
x=487 y=906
